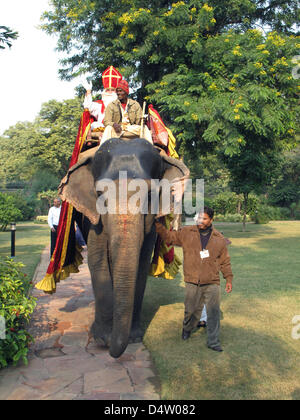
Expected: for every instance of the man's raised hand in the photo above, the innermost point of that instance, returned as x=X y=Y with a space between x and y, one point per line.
x=86 y=84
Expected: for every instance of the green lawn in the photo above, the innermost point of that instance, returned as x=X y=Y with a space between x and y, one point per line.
x=260 y=358
x=31 y=239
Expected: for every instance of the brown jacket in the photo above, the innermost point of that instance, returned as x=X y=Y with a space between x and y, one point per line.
x=198 y=270
x=113 y=113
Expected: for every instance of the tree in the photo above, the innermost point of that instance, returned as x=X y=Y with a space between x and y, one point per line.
x=47 y=197
x=209 y=168
x=242 y=104
x=8 y=211
x=251 y=171
x=285 y=189
x=6 y=35
x=15 y=148
x=30 y=150
x=239 y=88
x=57 y=126
x=149 y=39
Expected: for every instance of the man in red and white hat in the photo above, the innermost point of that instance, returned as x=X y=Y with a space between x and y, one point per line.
x=123 y=117
x=110 y=80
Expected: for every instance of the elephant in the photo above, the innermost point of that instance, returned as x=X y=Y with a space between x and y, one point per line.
x=119 y=245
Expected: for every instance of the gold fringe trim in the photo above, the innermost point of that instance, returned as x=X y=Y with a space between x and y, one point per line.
x=48 y=284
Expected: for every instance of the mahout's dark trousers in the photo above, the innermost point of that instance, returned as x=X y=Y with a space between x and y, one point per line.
x=195 y=298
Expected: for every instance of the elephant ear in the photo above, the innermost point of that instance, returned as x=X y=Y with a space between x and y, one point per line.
x=177 y=174
x=78 y=189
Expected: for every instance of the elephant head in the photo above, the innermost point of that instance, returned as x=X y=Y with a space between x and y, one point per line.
x=126 y=237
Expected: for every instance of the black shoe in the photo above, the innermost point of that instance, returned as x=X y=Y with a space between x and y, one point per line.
x=201 y=324
x=217 y=348
x=185 y=334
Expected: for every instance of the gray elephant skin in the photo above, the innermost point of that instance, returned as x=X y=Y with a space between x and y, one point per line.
x=119 y=245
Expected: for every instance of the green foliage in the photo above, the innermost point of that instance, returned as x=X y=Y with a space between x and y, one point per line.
x=285 y=189
x=232 y=203
x=6 y=36
x=23 y=203
x=8 y=211
x=41 y=151
x=230 y=218
x=209 y=168
x=148 y=40
x=226 y=202
x=15 y=308
x=44 y=180
x=295 y=210
x=238 y=95
x=264 y=213
x=47 y=197
x=57 y=126
x=218 y=81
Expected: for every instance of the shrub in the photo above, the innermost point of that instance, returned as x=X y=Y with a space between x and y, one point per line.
x=285 y=213
x=22 y=203
x=295 y=210
x=231 y=203
x=232 y=218
x=8 y=211
x=264 y=213
x=297 y=215
x=44 y=181
x=15 y=308
x=226 y=202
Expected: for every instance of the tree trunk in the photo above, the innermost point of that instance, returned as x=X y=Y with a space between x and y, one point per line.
x=239 y=205
x=245 y=210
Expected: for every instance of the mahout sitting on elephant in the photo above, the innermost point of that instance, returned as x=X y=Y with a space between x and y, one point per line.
x=120 y=244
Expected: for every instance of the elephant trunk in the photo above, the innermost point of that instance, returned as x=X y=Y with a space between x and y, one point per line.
x=126 y=237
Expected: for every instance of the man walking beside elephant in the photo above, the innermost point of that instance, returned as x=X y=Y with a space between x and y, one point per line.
x=205 y=254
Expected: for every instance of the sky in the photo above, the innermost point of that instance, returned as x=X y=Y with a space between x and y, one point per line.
x=29 y=69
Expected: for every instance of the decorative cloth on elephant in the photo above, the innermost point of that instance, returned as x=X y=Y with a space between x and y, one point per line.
x=161 y=135
x=165 y=262
x=110 y=79
x=67 y=256
x=129 y=118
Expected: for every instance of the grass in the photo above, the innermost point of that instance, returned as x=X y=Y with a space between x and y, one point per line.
x=31 y=239
x=261 y=360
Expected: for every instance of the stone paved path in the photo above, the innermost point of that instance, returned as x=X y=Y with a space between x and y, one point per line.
x=64 y=362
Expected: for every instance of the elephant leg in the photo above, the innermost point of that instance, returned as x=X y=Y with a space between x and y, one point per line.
x=102 y=286
x=136 y=334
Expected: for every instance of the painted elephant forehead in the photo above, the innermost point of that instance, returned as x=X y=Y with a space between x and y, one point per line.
x=136 y=157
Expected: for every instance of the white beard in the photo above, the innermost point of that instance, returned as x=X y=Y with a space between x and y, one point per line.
x=108 y=97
